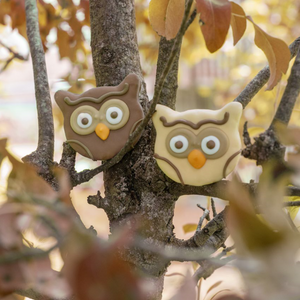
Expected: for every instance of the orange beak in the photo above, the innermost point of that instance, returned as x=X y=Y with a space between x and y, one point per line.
x=197 y=159
x=102 y=131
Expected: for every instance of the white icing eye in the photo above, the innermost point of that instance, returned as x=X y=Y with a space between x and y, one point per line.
x=179 y=144
x=84 y=120
x=210 y=145
x=114 y=115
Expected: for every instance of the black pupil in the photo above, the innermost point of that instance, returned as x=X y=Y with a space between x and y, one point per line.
x=84 y=121
x=210 y=144
x=178 y=144
x=114 y=114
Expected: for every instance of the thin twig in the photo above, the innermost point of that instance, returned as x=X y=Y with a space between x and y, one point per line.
x=213 y=207
x=191 y=19
x=220 y=189
x=203 y=217
x=89 y=174
x=261 y=79
x=26 y=254
x=14 y=55
x=45 y=146
x=210 y=267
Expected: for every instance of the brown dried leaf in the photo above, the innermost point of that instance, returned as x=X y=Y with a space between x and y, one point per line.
x=100 y=274
x=45 y=280
x=215 y=16
x=238 y=22
x=63 y=43
x=166 y=16
x=276 y=51
x=10 y=234
x=248 y=231
x=12 y=277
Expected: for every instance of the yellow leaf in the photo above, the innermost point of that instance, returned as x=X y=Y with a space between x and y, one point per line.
x=63 y=43
x=190 y=227
x=238 y=22
x=42 y=15
x=166 y=16
x=276 y=51
x=293 y=210
x=254 y=131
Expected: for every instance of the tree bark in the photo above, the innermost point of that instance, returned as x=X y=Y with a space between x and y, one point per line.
x=136 y=191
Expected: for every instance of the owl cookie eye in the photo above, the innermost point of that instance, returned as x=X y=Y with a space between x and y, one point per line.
x=114 y=115
x=210 y=145
x=214 y=142
x=179 y=144
x=84 y=120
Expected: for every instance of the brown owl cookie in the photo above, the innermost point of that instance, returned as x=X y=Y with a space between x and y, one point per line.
x=98 y=122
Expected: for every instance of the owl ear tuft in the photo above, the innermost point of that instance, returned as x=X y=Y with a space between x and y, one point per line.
x=59 y=97
x=161 y=111
x=134 y=83
x=234 y=109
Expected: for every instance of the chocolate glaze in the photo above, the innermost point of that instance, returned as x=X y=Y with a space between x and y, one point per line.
x=171 y=164
x=86 y=149
x=97 y=100
x=193 y=125
x=229 y=160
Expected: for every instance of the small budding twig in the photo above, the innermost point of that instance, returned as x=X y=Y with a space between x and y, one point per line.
x=14 y=55
x=203 y=217
x=213 y=207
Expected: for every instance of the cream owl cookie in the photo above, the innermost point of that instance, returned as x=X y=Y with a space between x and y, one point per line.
x=197 y=147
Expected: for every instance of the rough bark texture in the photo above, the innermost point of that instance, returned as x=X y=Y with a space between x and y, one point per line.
x=169 y=91
x=290 y=95
x=134 y=188
x=45 y=147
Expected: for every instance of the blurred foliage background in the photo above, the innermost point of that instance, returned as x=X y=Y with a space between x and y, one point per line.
x=205 y=80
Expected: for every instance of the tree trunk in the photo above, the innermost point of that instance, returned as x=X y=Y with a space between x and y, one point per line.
x=136 y=192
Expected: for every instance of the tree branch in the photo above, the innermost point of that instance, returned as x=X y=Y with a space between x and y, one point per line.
x=115 y=50
x=209 y=267
x=290 y=95
x=261 y=79
x=169 y=90
x=14 y=55
x=32 y=294
x=43 y=156
x=86 y=175
x=220 y=189
x=213 y=235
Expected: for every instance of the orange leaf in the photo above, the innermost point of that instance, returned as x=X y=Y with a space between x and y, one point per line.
x=215 y=16
x=276 y=51
x=238 y=22
x=166 y=16
x=63 y=43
